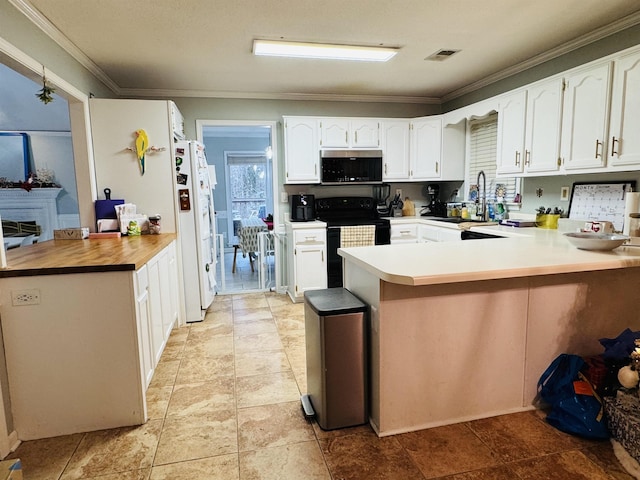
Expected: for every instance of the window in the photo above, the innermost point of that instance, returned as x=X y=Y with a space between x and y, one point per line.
x=248 y=185
x=483 y=134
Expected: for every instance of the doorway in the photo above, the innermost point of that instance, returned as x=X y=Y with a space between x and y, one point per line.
x=242 y=155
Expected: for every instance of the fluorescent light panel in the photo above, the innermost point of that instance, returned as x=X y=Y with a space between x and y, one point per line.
x=323 y=51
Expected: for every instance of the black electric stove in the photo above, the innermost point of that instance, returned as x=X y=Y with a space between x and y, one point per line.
x=339 y=212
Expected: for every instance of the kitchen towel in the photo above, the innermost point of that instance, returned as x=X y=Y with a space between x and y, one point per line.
x=631 y=205
x=357 y=236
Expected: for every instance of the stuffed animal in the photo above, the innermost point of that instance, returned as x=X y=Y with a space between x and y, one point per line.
x=629 y=376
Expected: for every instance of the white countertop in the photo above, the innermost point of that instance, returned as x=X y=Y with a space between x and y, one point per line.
x=524 y=252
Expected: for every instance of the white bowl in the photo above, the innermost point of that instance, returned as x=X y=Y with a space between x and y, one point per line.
x=596 y=241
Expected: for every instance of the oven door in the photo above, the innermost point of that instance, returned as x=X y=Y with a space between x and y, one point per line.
x=334 y=261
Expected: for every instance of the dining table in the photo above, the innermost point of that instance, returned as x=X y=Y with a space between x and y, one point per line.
x=249 y=230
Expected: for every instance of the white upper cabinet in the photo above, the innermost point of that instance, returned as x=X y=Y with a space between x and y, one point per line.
x=301 y=151
x=426 y=149
x=543 y=127
x=395 y=148
x=349 y=133
x=585 y=119
x=512 y=110
x=624 y=130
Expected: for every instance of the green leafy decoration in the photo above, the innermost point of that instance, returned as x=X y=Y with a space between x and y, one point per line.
x=45 y=95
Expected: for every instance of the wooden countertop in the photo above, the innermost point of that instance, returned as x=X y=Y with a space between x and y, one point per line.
x=56 y=257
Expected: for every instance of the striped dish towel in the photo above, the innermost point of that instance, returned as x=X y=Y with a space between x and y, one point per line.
x=357 y=236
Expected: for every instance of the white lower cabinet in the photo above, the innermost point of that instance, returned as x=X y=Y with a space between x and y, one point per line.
x=163 y=309
x=82 y=358
x=408 y=232
x=307 y=260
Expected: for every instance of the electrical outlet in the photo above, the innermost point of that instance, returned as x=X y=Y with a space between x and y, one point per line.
x=399 y=192
x=25 y=297
x=284 y=198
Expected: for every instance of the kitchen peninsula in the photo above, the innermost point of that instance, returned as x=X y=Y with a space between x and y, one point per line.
x=463 y=330
x=84 y=323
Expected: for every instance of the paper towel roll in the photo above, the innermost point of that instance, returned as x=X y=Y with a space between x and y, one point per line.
x=631 y=205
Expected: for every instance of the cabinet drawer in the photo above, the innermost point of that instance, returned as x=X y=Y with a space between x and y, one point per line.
x=406 y=233
x=309 y=237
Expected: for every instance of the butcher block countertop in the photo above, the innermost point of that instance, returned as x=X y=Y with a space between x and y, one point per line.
x=56 y=257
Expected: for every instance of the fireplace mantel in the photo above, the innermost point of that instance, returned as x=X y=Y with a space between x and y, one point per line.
x=39 y=204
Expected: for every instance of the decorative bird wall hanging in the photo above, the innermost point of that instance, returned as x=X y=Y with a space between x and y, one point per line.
x=142 y=148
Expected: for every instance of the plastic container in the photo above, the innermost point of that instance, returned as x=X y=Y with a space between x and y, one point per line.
x=547 y=221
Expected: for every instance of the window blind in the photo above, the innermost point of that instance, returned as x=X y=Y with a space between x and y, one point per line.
x=483 y=139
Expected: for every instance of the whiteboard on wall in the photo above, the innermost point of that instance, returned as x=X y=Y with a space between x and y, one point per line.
x=595 y=201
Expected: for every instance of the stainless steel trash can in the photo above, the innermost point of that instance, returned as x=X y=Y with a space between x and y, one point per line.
x=336 y=341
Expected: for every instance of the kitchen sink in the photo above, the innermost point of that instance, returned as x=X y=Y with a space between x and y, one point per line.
x=452 y=219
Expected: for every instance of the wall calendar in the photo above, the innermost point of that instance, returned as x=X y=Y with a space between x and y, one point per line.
x=594 y=201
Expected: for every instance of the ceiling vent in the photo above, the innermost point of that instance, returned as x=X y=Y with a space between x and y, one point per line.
x=441 y=55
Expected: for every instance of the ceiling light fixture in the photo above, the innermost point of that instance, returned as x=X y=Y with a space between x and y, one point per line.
x=323 y=51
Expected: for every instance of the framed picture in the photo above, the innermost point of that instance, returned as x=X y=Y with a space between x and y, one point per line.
x=14 y=156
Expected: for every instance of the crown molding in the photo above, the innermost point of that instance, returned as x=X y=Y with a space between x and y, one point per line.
x=40 y=21
x=595 y=35
x=168 y=93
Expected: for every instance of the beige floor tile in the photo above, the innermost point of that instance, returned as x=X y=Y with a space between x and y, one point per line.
x=257 y=341
x=142 y=474
x=249 y=301
x=158 y=401
x=266 y=389
x=295 y=310
x=266 y=325
x=501 y=472
x=365 y=456
x=602 y=455
x=220 y=303
x=433 y=449
x=178 y=335
x=221 y=467
x=278 y=299
x=251 y=314
x=206 y=397
x=261 y=362
x=109 y=452
x=289 y=323
x=46 y=458
x=272 y=425
x=289 y=462
x=197 y=436
x=194 y=369
x=292 y=339
x=165 y=373
x=209 y=346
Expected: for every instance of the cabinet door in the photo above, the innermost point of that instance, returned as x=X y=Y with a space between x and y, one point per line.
x=404 y=233
x=543 y=127
x=165 y=295
x=365 y=133
x=426 y=149
x=155 y=301
x=302 y=150
x=624 y=133
x=310 y=264
x=585 y=118
x=334 y=132
x=143 y=312
x=512 y=111
x=395 y=148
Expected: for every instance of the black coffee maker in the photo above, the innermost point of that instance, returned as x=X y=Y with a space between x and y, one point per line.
x=303 y=208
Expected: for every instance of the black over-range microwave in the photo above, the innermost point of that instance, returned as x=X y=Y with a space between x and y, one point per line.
x=338 y=167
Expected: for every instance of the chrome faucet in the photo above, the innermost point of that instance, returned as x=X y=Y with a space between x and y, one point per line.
x=483 y=204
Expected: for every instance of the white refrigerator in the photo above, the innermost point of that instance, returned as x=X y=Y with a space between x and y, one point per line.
x=194 y=193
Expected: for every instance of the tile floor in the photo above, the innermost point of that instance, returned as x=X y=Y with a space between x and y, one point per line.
x=243 y=279
x=224 y=404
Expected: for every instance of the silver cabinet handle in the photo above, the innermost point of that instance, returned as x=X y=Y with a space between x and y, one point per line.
x=614 y=140
x=598 y=145
x=517 y=159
